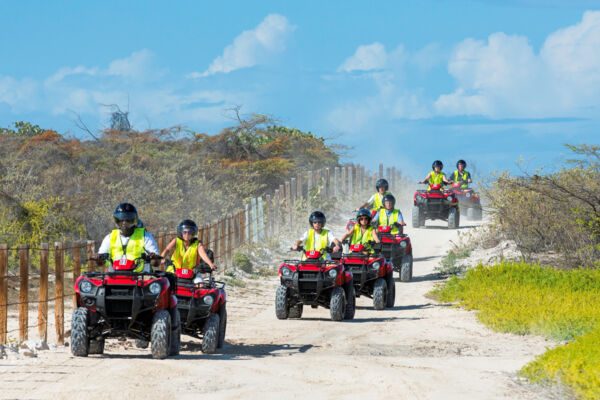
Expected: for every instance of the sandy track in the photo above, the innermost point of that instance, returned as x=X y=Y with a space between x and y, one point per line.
x=417 y=350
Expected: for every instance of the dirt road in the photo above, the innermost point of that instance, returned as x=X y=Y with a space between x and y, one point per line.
x=417 y=350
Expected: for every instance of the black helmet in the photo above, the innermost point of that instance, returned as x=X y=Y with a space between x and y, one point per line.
x=381 y=183
x=363 y=212
x=388 y=197
x=125 y=212
x=437 y=163
x=463 y=162
x=187 y=224
x=317 y=216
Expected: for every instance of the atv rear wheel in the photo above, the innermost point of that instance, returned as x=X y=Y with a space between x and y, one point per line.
x=295 y=311
x=379 y=294
x=175 y=342
x=350 y=309
x=96 y=346
x=210 y=332
x=281 y=303
x=160 y=334
x=337 y=304
x=406 y=269
x=80 y=341
x=222 y=326
x=141 y=344
x=390 y=299
x=416 y=216
x=453 y=218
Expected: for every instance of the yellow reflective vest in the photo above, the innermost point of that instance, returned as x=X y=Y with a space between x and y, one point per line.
x=378 y=201
x=436 y=178
x=316 y=243
x=462 y=178
x=133 y=250
x=384 y=220
x=182 y=257
x=358 y=237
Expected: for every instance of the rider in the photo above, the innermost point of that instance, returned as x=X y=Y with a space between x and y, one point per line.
x=317 y=238
x=460 y=175
x=435 y=177
x=389 y=216
x=362 y=232
x=186 y=250
x=128 y=241
x=375 y=201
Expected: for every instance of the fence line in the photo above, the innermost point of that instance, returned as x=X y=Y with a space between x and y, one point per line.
x=260 y=219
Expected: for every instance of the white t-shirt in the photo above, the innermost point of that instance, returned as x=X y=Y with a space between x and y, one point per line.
x=330 y=238
x=149 y=244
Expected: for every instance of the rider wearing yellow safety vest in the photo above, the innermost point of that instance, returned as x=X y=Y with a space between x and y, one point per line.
x=436 y=177
x=375 y=202
x=460 y=175
x=389 y=216
x=128 y=241
x=317 y=238
x=186 y=250
x=362 y=232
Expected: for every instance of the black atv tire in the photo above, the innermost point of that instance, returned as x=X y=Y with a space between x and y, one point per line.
x=96 y=346
x=350 y=309
x=281 y=303
x=390 y=298
x=379 y=294
x=470 y=213
x=337 y=304
x=160 y=334
x=80 y=340
x=295 y=311
x=141 y=344
x=210 y=334
x=222 y=326
x=477 y=213
x=175 y=342
x=406 y=268
x=416 y=216
x=453 y=218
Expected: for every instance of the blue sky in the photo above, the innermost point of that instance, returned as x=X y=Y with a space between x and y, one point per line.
x=405 y=82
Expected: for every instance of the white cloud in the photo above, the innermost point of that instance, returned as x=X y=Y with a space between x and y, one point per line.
x=136 y=66
x=504 y=78
x=252 y=47
x=366 y=58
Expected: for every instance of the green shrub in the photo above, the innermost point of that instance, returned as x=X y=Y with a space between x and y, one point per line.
x=242 y=262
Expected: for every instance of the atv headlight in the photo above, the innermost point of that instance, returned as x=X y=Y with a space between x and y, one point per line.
x=208 y=300
x=198 y=279
x=403 y=243
x=468 y=195
x=154 y=288
x=85 y=286
x=285 y=271
x=376 y=265
x=332 y=273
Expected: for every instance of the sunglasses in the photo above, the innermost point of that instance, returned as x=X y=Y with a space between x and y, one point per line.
x=359 y=218
x=128 y=221
x=187 y=232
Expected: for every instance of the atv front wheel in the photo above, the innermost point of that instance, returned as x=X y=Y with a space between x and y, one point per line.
x=222 y=326
x=453 y=218
x=281 y=303
x=210 y=334
x=406 y=268
x=160 y=334
x=80 y=341
x=295 y=311
x=96 y=346
x=390 y=299
x=416 y=216
x=379 y=294
x=337 y=304
x=350 y=309
x=175 y=342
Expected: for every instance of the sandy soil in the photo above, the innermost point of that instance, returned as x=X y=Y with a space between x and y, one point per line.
x=417 y=350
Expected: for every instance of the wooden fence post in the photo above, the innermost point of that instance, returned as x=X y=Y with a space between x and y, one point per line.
x=343 y=182
x=3 y=292
x=23 y=292
x=59 y=301
x=380 y=171
x=76 y=267
x=309 y=183
x=269 y=216
x=336 y=182
x=223 y=237
x=247 y=223
x=327 y=183
x=43 y=297
x=206 y=235
x=91 y=265
x=230 y=239
x=276 y=201
x=261 y=220
x=162 y=237
x=254 y=220
x=350 y=177
x=299 y=188
x=393 y=179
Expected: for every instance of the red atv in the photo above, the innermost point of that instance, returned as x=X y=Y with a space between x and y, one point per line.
x=373 y=276
x=470 y=203
x=397 y=248
x=315 y=282
x=202 y=304
x=124 y=303
x=435 y=203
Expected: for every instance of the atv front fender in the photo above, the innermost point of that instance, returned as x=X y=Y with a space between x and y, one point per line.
x=348 y=277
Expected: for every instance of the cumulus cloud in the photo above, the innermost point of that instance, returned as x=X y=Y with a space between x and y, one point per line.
x=366 y=58
x=503 y=77
x=252 y=47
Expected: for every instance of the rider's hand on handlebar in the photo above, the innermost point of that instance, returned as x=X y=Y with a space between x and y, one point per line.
x=336 y=249
x=295 y=246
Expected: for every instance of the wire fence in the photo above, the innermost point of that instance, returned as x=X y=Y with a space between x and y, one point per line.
x=262 y=218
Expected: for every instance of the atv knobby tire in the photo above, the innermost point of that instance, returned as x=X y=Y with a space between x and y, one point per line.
x=295 y=311
x=379 y=294
x=222 y=326
x=350 y=309
x=416 y=216
x=337 y=303
x=175 y=342
x=96 y=346
x=160 y=334
x=210 y=336
x=406 y=268
x=390 y=299
x=453 y=218
x=80 y=341
x=281 y=303
x=141 y=344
